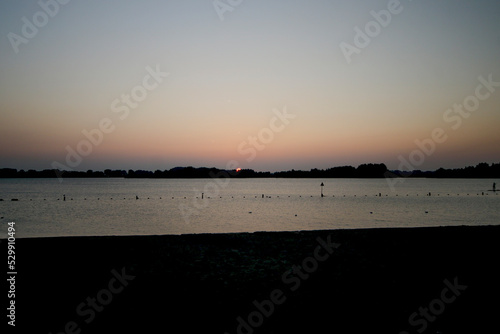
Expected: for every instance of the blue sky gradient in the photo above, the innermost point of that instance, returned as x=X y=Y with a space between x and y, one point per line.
x=227 y=76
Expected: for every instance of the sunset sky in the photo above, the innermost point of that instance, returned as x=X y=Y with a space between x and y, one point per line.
x=235 y=71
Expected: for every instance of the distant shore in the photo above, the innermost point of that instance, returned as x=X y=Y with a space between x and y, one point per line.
x=480 y=171
x=337 y=281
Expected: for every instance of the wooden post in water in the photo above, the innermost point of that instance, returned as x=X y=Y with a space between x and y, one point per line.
x=322 y=185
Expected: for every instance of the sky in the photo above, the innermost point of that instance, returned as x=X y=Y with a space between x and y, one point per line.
x=267 y=85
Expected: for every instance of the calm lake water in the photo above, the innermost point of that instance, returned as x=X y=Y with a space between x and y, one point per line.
x=174 y=206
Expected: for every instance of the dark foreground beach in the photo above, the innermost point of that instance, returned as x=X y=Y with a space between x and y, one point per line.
x=415 y=280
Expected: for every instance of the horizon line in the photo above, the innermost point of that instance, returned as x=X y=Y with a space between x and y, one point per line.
x=250 y=169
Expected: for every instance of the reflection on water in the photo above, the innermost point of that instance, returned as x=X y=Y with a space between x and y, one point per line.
x=110 y=207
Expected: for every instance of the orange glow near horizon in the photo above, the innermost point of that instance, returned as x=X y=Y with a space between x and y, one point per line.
x=267 y=96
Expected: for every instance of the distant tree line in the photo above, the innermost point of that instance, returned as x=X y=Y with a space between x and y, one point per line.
x=363 y=171
x=196 y=173
x=50 y=173
x=482 y=170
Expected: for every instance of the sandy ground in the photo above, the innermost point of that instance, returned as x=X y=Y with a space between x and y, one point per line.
x=418 y=280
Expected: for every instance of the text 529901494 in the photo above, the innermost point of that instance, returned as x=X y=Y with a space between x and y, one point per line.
x=11 y=273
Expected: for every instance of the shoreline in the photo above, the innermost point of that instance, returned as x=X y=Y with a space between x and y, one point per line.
x=373 y=281
x=248 y=232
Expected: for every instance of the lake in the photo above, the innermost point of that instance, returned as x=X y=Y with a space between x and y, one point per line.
x=108 y=206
